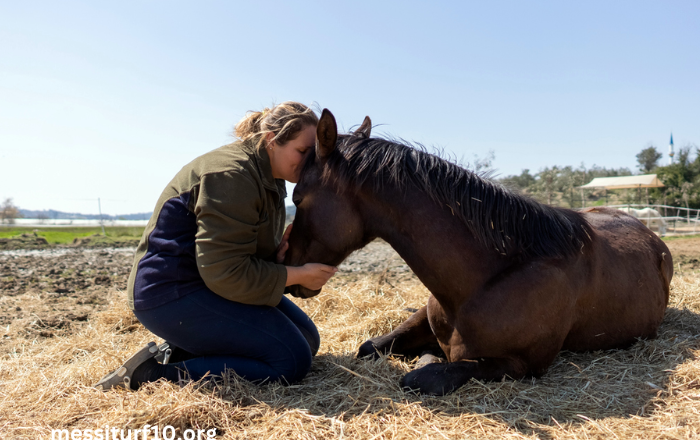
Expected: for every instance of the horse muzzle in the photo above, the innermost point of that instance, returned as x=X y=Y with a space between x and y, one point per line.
x=298 y=291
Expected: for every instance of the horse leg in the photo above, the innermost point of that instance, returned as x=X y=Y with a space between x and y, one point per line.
x=514 y=328
x=442 y=378
x=412 y=338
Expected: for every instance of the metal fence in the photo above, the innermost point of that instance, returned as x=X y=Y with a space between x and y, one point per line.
x=676 y=220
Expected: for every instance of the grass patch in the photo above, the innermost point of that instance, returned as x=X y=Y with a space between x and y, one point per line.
x=679 y=237
x=67 y=235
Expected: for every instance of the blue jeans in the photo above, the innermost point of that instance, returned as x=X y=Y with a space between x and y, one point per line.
x=258 y=342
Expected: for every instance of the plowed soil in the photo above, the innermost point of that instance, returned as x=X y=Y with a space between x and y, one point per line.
x=48 y=290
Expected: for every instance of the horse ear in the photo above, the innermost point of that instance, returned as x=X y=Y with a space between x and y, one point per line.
x=366 y=128
x=326 y=134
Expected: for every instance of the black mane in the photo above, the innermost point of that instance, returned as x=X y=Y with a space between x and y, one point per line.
x=500 y=219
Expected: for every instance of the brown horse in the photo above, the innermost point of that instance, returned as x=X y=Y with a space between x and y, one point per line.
x=513 y=281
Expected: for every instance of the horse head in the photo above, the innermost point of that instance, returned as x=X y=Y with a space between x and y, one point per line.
x=328 y=225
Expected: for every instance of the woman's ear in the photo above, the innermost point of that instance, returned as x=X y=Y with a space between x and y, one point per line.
x=269 y=139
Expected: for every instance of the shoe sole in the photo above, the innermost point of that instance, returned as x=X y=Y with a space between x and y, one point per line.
x=121 y=377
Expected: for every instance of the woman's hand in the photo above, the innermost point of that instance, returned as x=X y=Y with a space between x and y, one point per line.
x=283 y=246
x=311 y=275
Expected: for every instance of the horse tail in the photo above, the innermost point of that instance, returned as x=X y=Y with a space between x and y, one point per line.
x=666 y=270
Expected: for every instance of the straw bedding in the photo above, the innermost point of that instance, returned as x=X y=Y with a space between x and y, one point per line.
x=651 y=390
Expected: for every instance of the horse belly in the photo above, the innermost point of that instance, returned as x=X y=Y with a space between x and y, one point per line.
x=626 y=293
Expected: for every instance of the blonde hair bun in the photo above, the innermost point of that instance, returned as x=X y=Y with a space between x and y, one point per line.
x=284 y=120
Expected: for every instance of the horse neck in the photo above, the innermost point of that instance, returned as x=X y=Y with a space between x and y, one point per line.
x=433 y=241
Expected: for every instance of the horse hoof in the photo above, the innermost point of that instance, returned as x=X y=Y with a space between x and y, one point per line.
x=428 y=380
x=368 y=349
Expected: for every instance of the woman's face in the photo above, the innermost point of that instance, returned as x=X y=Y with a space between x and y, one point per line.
x=287 y=159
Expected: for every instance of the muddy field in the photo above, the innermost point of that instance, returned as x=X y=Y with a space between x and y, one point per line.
x=47 y=291
x=64 y=324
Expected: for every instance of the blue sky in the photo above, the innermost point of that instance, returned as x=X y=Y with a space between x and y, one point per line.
x=110 y=100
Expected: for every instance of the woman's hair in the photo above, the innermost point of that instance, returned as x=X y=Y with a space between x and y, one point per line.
x=284 y=120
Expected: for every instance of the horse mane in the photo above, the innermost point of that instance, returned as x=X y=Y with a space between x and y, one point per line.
x=509 y=222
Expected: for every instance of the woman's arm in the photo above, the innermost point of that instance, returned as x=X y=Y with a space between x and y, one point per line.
x=228 y=216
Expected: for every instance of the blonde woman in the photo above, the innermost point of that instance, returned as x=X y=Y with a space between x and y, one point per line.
x=208 y=274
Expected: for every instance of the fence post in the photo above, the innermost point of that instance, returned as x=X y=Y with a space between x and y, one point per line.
x=102 y=223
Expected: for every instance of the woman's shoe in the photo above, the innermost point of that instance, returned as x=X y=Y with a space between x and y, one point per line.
x=169 y=353
x=121 y=377
x=165 y=350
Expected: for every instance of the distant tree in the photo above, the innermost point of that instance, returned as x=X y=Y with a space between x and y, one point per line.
x=524 y=180
x=648 y=159
x=682 y=179
x=8 y=212
x=546 y=184
x=598 y=171
x=483 y=166
x=560 y=185
x=683 y=169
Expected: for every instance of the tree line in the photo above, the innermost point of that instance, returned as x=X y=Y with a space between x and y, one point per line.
x=559 y=185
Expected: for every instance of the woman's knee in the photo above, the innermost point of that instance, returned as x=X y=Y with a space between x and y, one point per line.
x=292 y=361
x=297 y=370
x=305 y=325
x=312 y=338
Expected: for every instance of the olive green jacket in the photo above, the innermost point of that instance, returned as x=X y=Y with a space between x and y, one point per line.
x=218 y=222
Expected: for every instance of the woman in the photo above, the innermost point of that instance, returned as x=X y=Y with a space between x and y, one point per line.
x=207 y=275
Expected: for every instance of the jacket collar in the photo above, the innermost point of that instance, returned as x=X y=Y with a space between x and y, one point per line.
x=262 y=162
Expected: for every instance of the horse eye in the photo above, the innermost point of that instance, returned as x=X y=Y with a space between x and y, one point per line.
x=296 y=201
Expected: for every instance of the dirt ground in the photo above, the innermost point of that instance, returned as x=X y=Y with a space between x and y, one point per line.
x=685 y=252
x=45 y=292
